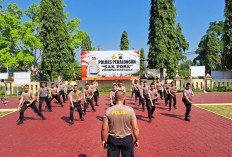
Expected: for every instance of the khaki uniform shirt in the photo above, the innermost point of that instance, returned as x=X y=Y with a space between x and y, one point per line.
x=75 y=96
x=43 y=92
x=119 y=119
x=54 y=91
x=28 y=96
x=88 y=93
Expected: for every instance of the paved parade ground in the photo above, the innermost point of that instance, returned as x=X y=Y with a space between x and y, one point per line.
x=168 y=135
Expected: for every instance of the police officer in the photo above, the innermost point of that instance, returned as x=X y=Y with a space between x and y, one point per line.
x=88 y=98
x=141 y=97
x=97 y=85
x=93 y=68
x=122 y=88
x=166 y=87
x=135 y=90
x=152 y=96
x=75 y=99
x=93 y=87
x=43 y=96
x=159 y=88
x=69 y=89
x=145 y=91
x=62 y=89
x=187 y=99
x=118 y=123
x=173 y=90
x=55 y=94
x=112 y=95
x=28 y=100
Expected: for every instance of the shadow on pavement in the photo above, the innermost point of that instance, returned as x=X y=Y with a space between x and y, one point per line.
x=172 y=115
x=101 y=118
x=140 y=117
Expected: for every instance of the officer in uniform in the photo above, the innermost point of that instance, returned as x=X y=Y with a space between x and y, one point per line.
x=159 y=88
x=93 y=87
x=88 y=98
x=43 y=96
x=75 y=99
x=152 y=96
x=141 y=97
x=97 y=85
x=145 y=91
x=135 y=90
x=62 y=88
x=28 y=100
x=166 y=87
x=69 y=89
x=187 y=99
x=173 y=90
x=122 y=88
x=93 y=68
x=112 y=95
x=55 y=94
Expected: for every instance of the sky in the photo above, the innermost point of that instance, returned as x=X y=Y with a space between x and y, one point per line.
x=105 y=20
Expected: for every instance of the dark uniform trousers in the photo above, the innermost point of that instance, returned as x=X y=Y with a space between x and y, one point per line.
x=68 y=94
x=165 y=97
x=161 y=94
x=79 y=109
x=63 y=95
x=141 y=101
x=136 y=94
x=95 y=97
x=116 y=145
x=169 y=99
x=41 y=100
x=24 y=108
x=97 y=93
x=188 y=106
x=150 y=108
x=174 y=100
x=86 y=105
x=57 y=99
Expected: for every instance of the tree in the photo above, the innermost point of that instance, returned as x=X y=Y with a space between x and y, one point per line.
x=166 y=41
x=86 y=44
x=227 y=38
x=16 y=39
x=142 y=61
x=124 y=45
x=208 y=50
x=58 y=51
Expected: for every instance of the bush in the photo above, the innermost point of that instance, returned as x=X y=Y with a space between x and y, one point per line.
x=106 y=89
x=196 y=90
x=2 y=92
x=180 y=90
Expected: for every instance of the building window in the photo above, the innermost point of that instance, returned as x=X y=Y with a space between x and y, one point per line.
x=201 y=85
x=197 y=85
x=228 y=84
x=31 y=87
x=214 y=84
x=36 y=87
x=223 y=84
x=218 y=84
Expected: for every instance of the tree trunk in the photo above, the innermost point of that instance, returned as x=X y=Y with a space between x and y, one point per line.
x=58 y=76
x=161 y=74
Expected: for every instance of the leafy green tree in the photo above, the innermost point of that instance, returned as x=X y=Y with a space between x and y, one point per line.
x=208 y=50
x=124 y=45
x=142 y=61
x=166 y=41
x=15 y=50
x=86 y=44
x=227 y=38
x=58 y=52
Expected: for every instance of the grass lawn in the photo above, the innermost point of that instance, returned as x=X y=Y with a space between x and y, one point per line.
x=2 y=113
x=225 y=110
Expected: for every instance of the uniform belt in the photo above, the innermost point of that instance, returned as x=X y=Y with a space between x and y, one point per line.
x=93 y=73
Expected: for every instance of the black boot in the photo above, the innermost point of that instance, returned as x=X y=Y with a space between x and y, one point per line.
x=186 y=118
x=150 y=120
x=71 y=123
x=20 y=122
x=82 y=119
x=175 y=107
x=169 y=109
x=94 y=110
x=43 y=118
x=152 y=117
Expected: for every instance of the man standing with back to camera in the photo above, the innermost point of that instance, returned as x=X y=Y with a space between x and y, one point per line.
x=119 y=120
